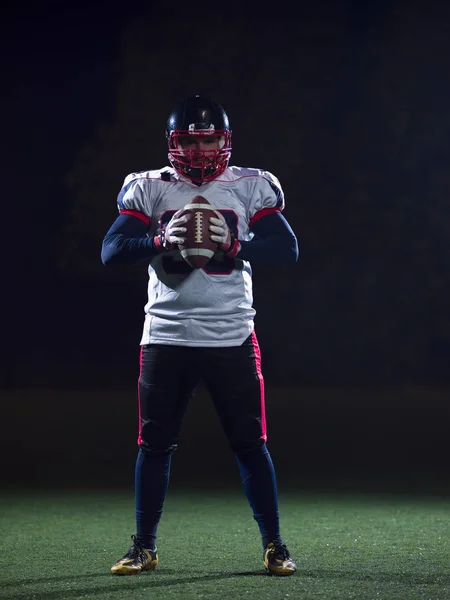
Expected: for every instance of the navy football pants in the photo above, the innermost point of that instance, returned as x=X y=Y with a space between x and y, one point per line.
x=168 y=378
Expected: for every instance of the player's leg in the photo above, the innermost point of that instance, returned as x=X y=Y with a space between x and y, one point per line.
x=166 y=382
x=235 y=381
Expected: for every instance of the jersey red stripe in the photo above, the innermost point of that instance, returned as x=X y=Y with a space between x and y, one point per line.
x=262 y=213
x=137 y=214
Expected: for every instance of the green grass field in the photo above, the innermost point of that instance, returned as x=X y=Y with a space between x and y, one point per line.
x=61 y=546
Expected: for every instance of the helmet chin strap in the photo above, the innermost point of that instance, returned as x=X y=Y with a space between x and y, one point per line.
x=196 y=172
x=191 y=172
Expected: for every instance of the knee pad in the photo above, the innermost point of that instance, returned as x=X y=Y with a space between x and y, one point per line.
x=155 y=440
x=247 y=436
x=155 y=452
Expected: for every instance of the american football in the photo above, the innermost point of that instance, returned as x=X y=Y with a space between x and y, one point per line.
x=198 y=248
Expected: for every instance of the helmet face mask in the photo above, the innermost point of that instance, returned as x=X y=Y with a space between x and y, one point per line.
x=199 y=156
x=199 y=139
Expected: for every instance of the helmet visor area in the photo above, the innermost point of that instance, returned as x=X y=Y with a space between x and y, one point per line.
x=202 y=155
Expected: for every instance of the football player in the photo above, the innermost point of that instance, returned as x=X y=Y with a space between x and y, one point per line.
x=201 y=320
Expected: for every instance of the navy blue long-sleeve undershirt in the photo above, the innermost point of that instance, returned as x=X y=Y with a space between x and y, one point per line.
x=274 y=243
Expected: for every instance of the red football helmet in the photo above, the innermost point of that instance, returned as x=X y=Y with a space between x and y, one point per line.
x=199 y=138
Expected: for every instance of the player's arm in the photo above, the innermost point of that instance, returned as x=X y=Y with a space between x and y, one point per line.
x=127 y=241
x=274 y=241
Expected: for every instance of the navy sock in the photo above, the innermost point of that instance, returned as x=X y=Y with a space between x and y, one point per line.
x=151 y=482
x=260 y=486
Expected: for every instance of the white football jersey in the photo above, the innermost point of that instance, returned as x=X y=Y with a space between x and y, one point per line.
x=212 y=306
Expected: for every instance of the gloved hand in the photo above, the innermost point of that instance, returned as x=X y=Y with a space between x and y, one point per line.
x=223 y=235
x=170 y=237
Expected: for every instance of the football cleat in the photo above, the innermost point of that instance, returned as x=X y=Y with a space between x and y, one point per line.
x=136 y=560
x=277 y=560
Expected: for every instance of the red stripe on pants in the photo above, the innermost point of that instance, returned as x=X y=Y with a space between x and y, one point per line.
x=139 y=440
x=261 y=385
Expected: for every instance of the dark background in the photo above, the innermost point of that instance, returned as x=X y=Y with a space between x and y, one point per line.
x=347 y=104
